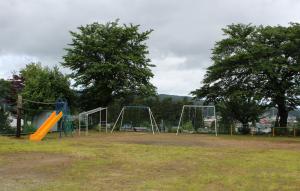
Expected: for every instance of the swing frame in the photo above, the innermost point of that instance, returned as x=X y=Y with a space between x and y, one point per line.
x=85 y=117
x=197 y=106
x=151 y=117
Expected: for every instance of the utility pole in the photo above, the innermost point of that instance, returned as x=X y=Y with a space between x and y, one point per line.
x=19 y=107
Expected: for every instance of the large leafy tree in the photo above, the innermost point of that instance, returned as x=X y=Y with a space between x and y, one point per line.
x=109 y=61
x=261 y=62
x=5 y=90
x=278 y=67
x=43 y=84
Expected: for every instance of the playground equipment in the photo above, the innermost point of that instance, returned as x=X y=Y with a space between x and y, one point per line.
x=137 y=124
x=199 y=119
x=45 y=127
x=84 y=116
x=66 y=124
x=61 y=114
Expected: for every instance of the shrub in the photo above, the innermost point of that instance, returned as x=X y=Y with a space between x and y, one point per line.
x=28 y=128
x=188 y=126
x=5 y=123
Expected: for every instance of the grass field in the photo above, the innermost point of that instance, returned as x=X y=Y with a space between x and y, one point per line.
x=129 y=161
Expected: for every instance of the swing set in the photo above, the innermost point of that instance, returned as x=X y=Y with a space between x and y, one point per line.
x=137 y=119
x=198 y=119
x=86 y=118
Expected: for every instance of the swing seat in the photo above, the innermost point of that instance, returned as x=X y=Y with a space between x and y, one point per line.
x=140 y=129
x=127 y=127
x=137 y=120
x=187 y=131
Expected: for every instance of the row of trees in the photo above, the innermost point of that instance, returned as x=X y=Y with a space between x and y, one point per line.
x=166 y=110
x=254 y=68
x=45 y=85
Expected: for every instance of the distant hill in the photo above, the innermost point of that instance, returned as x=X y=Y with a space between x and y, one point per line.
x=176 y=98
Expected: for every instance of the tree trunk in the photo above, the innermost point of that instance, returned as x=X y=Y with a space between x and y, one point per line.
x=245 y=128
x=18 y=130
x=281 y=119
x=283 y=115
x=277 y=120
x=19 y=106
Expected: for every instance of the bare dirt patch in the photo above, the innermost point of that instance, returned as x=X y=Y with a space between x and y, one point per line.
x=31 y=169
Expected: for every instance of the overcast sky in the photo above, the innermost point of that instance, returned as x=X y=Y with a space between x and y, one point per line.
x=180 y=46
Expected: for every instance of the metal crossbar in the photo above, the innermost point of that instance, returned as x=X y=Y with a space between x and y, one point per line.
x=87 y=113
x=151 y=117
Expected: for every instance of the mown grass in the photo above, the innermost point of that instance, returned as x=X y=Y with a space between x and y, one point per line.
x=261 y=137
x=100 y=163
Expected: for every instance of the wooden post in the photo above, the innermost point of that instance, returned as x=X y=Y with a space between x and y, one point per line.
x=60 y=124
x=231 y=130
x=273 y=131
x=19 y=107
x=87 y=125
x=79 y=124
x=100 y=121
x=106 y=119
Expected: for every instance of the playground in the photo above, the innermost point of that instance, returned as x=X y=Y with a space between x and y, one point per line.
x=93 y=107
x=142 y=161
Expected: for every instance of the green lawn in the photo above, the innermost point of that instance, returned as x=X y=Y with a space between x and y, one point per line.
x=129 y=161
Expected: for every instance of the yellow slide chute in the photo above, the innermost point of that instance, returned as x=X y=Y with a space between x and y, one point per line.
x=42 y=131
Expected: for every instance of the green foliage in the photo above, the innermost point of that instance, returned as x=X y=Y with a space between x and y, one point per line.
x=28 y=128
x=165 y=109
x=226 y=120
x=145 y=123
x=258 y=66
x=45 y=85
x=109 y=61
x=4 y=123
x=136 y=117
x=5 y=89
x=188 y=126
x=17 y=85
x=171 y=129
x=193 y=116
x=241 y=109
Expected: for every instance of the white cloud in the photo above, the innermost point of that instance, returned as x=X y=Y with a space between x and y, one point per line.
x=171 y=78
x=10 y=63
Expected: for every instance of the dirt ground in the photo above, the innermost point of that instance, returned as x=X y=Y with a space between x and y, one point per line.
x=38 y=167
